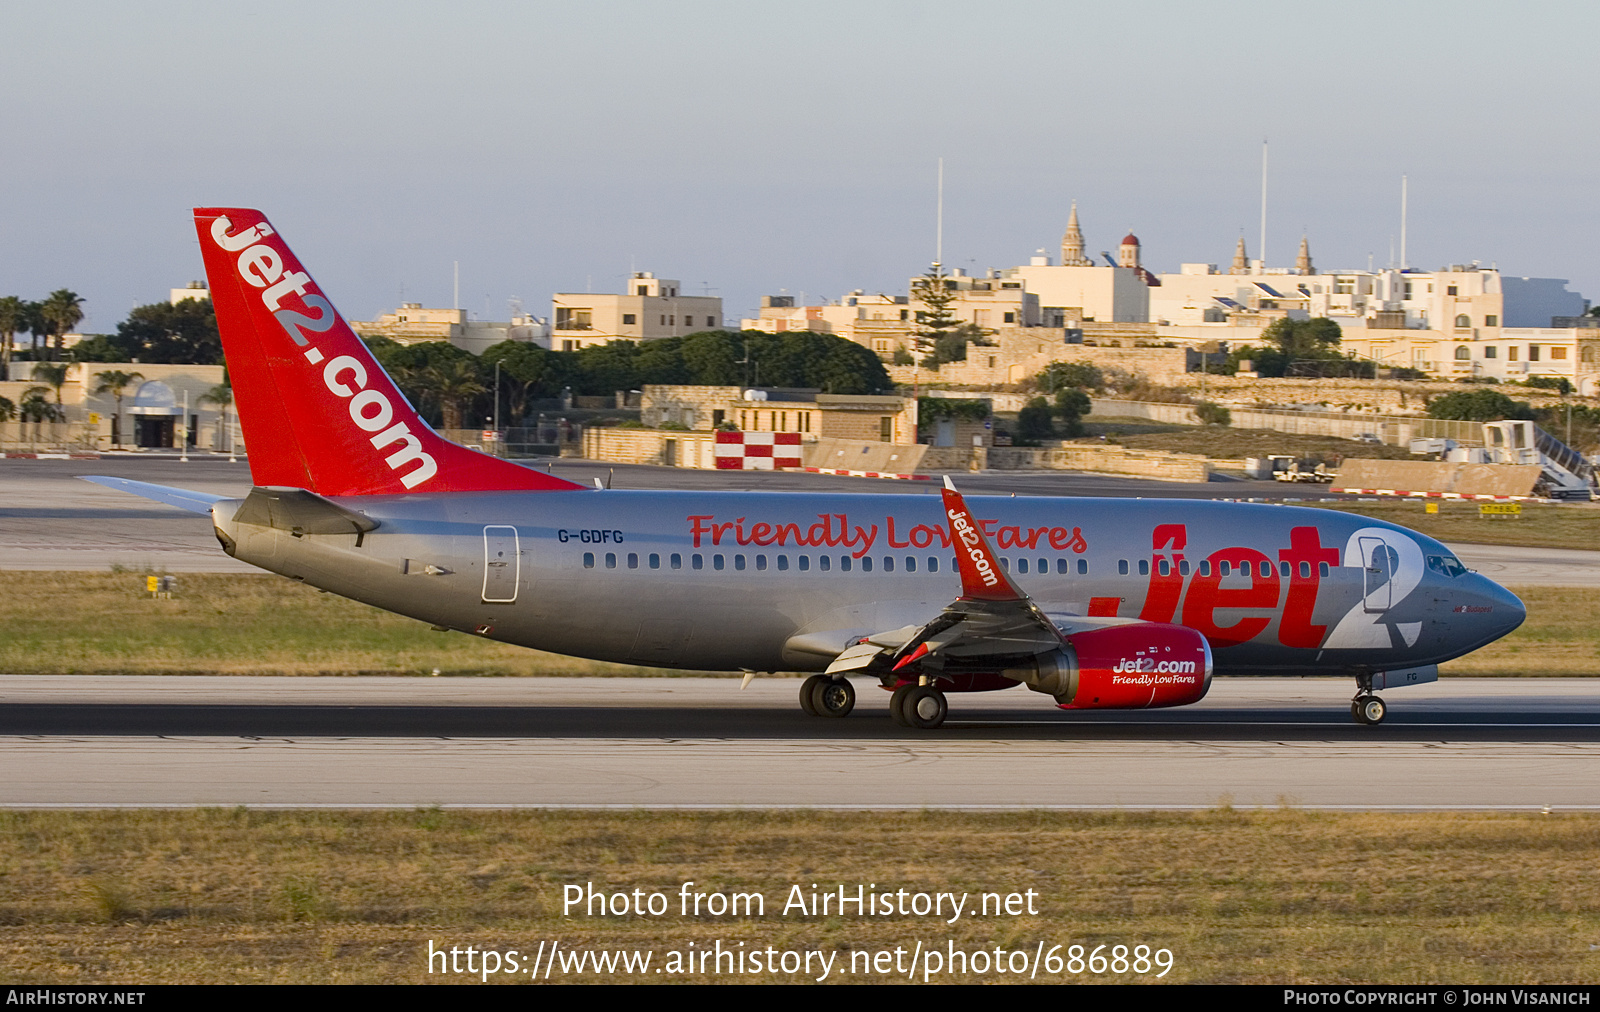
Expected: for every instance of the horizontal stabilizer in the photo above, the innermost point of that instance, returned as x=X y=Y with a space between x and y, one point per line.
x=300 y=512
x=194 y=502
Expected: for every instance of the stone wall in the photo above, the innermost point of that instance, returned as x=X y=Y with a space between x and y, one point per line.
x=1104 y=459
x=650 y=446
x=1021 y=354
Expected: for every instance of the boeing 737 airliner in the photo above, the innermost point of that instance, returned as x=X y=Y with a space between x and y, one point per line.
x=1097 y=603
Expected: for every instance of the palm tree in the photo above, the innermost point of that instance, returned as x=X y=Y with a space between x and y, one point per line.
x=222 y=396
x=63 y=309
x=453 y=382
x=116 y=383
x=55 y=375
x=13 y=317
x=8 y=409
x=36 y=407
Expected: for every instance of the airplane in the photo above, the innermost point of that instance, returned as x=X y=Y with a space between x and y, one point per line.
x=1096 y=603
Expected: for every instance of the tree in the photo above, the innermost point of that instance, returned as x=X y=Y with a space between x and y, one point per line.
x=452 y=382
x=62 y=309
x=1480 y=405
x=1212 y=414
x=222 y=396
x=1033 y=422
x=1060 y=375
x=8 y=409
x=184 y=334
x=116 y=383
x=1072 y=404
x=13 y=317
x=36 y=406
x=54 y=375
x=936 y=324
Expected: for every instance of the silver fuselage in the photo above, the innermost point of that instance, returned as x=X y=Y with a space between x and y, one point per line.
x=784 y=581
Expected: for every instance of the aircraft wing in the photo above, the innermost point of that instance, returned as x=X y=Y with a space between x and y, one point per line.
x=992 y=617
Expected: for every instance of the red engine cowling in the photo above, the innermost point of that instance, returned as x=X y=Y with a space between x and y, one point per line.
x=1132 y=666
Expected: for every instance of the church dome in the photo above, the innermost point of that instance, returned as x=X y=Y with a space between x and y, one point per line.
x=1130 y=240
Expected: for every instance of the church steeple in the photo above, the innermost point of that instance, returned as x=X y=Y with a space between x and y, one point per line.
x=1241 y=259
x=1302 y=263
x=1072 y=243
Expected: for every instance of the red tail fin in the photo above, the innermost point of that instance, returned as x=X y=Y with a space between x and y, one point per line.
x=318 y=411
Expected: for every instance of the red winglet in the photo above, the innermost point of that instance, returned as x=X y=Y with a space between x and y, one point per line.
x=982 y=577
x=317 y=409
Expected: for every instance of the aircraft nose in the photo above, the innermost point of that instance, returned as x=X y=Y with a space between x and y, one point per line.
x=1502 y=611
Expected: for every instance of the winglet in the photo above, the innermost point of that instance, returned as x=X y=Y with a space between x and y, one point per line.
x=982 y=577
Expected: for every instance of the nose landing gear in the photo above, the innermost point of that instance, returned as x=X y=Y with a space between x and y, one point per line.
x=1367 y=708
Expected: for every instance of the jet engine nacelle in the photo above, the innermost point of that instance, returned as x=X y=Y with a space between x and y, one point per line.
x=1132 y=666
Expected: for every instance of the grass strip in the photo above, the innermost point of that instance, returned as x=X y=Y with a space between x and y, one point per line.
x=1282 y=896
x=105 y=624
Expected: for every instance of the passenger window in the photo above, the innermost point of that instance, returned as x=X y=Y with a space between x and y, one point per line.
x=783 y=563
x=1286 y=569
x=675 y=560
x=655 y=561
x=1122 y=567
x=1205 y=568
x=588 y=560
x=1305 y=570
x=761 y=563
x=866 y=563
x=716 y=562
x=805 y=563
x=1022 y=565
x=824 y=561
x=1005 y=563
x=911 y=563
x=1044 y=566
x=933 y=563
x=738 y=562
x=1322 y=567
x=1183 y=568
x=844 y=563
x=633 y=560
x=611 y=560
x=888 y=563
x=1083 y=567
x=1266 y=568
x=1144 y=567
x=697 y=561
x=1062 y=567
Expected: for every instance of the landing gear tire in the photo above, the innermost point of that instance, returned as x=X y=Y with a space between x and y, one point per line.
x=833 y=697
x=897 y=704
x=924 y=707
x=1368 y=710
x=808 y=694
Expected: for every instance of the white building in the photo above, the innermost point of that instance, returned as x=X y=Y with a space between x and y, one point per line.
x=651 y=308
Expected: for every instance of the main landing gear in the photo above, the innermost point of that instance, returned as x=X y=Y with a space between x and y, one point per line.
x=920 y=706
x=822 y=696
x=1367 y=708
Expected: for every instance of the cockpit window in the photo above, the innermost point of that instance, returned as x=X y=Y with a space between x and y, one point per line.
x=1448 y=565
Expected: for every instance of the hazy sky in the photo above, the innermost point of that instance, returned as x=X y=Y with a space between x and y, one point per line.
x=761 y=147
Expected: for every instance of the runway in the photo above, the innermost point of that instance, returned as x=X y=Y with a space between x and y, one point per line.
x=69 y=741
